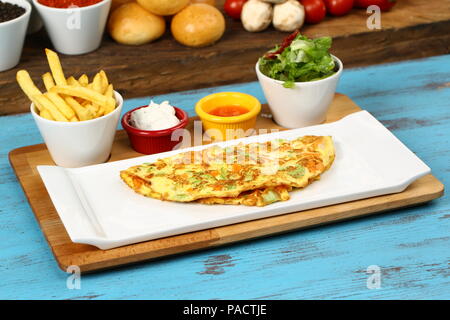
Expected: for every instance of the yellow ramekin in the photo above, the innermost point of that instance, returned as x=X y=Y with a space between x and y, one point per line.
x=227 y=128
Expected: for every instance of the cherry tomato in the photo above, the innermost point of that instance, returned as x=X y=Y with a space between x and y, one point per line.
x=384 y=5
x=315 y=10
x=233 y=8
x=338 y=7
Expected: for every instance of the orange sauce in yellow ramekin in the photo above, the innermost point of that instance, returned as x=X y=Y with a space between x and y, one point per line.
x=228 y=111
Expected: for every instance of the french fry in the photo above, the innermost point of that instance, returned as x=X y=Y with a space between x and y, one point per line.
x=46 y=114
x=100 y=111
x=71 y=81
x=92 y=109
x=82 y=92
x=48 y=81
x=105 y=81
x=28 y=87
x=83 y=80
x=60 y=104
x=55 y=67
x=110 y=91
x=82 y=113
x=97 y=83
x=112 y=103
x=50 y=107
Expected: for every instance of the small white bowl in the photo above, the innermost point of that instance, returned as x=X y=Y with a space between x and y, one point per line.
x=78 y=144
x=75 y=30
x=12 y=36
x=304 y=105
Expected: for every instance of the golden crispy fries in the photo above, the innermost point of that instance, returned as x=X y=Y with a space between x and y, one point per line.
x=68 y=99
x=105 y=81
x=71 y=81
x=97 y=86
x=46 y=114
x=27 y=86
x=82 y=92
x=91 y=109
x=48 y=105
x=60 y=104
x=101 y=111
x=110 y=91
x=48 y=81
x=112 y=103
x=82 y=113
x=97 y=83
x=83 y=80
x=55 y=67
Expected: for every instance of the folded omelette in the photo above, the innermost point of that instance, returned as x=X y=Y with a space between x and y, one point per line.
x=254 y=174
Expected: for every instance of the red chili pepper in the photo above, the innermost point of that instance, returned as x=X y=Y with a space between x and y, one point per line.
x=286 y=43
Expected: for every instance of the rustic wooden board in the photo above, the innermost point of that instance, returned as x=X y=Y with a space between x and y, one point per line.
x=89 y=258
x=413 y=29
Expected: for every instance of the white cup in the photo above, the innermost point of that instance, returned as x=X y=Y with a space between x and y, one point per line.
x=304 y=105
x=12 y=35
x=75 y=30
x=78 y=144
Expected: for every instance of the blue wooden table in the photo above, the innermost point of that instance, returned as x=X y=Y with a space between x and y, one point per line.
x=410 y=246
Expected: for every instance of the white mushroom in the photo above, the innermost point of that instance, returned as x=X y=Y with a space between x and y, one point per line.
x=256 y=15
x=288 y=16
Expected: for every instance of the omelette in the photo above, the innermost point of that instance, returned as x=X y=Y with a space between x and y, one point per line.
x=259 y=197
x=253 y=174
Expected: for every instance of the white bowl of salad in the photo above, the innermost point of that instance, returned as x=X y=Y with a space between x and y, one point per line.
x=299 y=79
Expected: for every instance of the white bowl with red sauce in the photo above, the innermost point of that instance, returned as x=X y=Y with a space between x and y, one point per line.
x=74 y=30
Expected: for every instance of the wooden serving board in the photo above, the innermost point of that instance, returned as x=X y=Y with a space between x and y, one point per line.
x=89 y=258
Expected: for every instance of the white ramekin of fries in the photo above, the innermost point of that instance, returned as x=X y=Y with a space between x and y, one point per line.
x=77 y=118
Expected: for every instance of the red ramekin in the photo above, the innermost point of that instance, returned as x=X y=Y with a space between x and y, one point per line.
x=155 y=141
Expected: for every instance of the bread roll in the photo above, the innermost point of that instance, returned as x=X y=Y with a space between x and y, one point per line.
x=210 y=2
x=133 y=25
x=117 y=3
x=198 y=25
x=163 y=7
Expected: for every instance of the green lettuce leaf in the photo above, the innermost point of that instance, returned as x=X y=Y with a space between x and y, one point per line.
x=304 y=60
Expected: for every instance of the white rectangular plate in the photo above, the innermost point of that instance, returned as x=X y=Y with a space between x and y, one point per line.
x=97 y=207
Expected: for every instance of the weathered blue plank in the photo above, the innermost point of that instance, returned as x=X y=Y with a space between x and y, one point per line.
x=411 y=246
